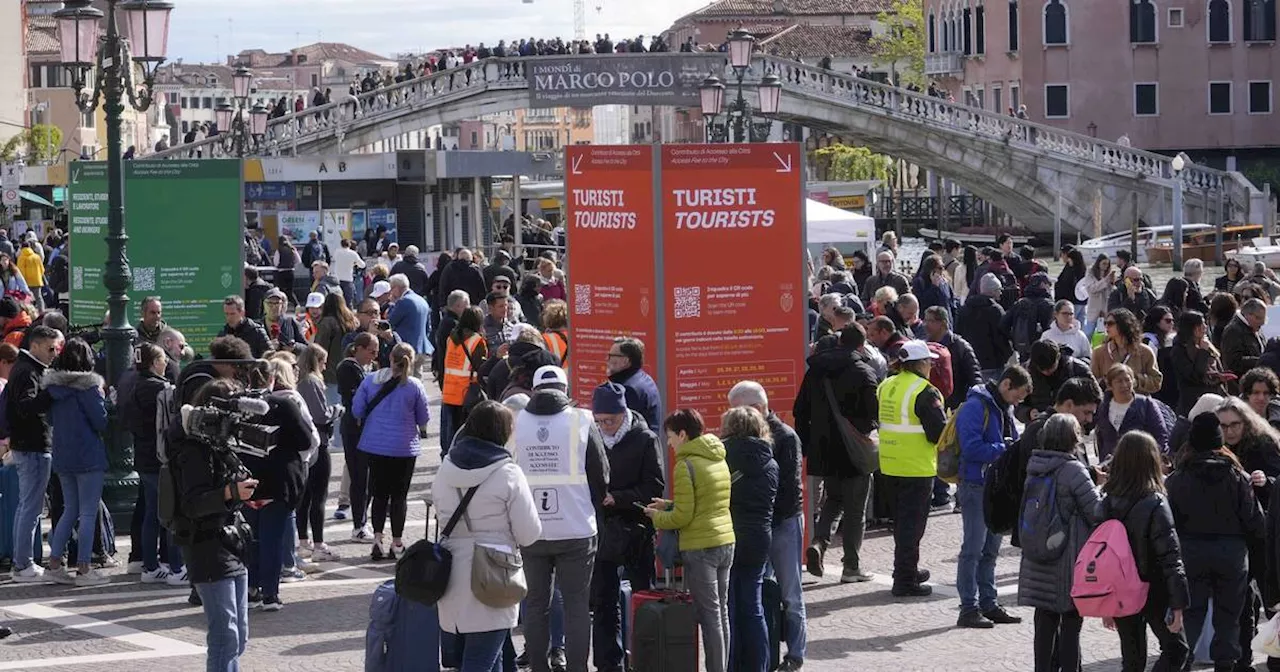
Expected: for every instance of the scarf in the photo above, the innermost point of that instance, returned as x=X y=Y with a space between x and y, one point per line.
x=612 y=440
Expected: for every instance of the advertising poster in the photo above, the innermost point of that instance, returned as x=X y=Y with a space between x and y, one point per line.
x=297 y=224
x=383 y=217
x=743 y=318
x=191 y=265
x=650 y=79
x=336 y=226
x=612 y=281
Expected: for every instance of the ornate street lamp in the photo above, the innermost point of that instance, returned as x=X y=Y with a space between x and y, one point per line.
x=738 y=123
x=741 y=44
x=770 y=91
x=237 y=125
x=107 y=65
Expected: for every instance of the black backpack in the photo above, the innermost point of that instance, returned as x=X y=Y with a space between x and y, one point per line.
x=1002 y=493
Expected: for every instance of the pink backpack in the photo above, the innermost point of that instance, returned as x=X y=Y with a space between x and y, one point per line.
x=1106 y=582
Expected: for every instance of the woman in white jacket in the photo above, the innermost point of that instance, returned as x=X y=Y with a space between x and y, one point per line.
x=1065 y=331
x=501 y=513
x=1099 y=282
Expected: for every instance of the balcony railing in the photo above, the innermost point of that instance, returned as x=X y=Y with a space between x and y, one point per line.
x=944 y=63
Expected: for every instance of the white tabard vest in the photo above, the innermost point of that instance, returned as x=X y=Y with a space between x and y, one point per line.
x=552 y=451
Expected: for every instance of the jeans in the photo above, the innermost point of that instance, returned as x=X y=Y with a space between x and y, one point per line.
x=556 y=624
x=483 y=651
x=749 y=643
x=706 y=571
x=784 y=559
x=851 y=494
x=1133 y=637
x=151 y=530
x=567 y=563
x=909 y=497
x=266 y=551
x=449 y=426
x=33 y=479
x=80 y=494
x=976 y=570
x=226 y=612
x=1217 y=569
x=348 y=291
x=1057 y=641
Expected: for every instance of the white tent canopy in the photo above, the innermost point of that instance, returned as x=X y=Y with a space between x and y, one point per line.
x=825 y=224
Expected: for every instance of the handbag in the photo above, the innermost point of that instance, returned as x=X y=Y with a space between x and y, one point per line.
x=668 y=546
x=862 y=449
x=497 y=573
x=422 y=573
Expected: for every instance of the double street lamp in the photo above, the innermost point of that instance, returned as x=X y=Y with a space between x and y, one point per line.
x=738 y=122
x=106 y=63
x=241 y=126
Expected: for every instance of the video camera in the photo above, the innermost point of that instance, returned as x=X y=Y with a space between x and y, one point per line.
x=231 y=422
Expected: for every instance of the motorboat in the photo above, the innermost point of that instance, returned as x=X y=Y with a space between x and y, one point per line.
x=980 y=235
x=1148 y=237
x=1197 y=244
x=1259 y=249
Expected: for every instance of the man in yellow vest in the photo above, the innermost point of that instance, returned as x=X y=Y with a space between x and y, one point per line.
x=911 y=421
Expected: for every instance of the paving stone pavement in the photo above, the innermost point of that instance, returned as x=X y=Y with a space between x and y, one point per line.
x=851 y=627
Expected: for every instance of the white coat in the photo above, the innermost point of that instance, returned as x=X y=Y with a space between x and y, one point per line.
x=502 y=513
x=1099 y=293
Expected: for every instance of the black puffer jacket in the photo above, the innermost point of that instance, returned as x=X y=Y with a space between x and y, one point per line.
x=464 y=275
x=1210 y=497
x=1035 y=309
x=635 y=474
x=1149 y=523
x=1047 y=585
x=280 y=474
x=853 y=382
x=140 y=410
x=786 y=452
x=1045 y=388
x=979 y=322
x=965 y=370
x=755 y=485
x=1260 y=453
x=1195 y=373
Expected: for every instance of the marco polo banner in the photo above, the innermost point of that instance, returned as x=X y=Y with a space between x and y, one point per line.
x=624 y=79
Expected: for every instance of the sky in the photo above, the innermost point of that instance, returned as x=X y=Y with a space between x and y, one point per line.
x=209 y=30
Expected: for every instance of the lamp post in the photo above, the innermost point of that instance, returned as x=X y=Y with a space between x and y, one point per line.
x=241 y=126
x=1177 y=164
x=738 y=123
x=106 y=64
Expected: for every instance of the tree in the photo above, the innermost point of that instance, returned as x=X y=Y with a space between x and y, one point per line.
x=37 y=144
x=849 y=164
x=901 y=45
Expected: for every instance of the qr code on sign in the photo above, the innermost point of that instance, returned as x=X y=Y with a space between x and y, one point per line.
x=582 y=299
x=77 y=278
x=688 y=302
x=144 y=279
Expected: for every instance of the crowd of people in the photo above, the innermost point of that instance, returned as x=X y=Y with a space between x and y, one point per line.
x=977 y=348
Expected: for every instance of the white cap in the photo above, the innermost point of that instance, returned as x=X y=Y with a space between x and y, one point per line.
x=549 y=375
x=315 y=300
x=379 y=288
x=914 y=351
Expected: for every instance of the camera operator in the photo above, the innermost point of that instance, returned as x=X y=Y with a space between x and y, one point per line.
x=370 y=321
x=211 y=485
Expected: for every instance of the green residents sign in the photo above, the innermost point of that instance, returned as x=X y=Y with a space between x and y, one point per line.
x=183 y=219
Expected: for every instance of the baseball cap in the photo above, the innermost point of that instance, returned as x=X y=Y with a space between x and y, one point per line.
x=915 y=351
x=275 y=293
x=550 y=376
x=315 y=300
x=379 y=288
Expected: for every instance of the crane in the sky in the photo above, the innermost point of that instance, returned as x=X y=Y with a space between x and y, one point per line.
x=579 y=17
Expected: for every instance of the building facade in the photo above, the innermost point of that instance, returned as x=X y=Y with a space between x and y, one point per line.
x=13 y=80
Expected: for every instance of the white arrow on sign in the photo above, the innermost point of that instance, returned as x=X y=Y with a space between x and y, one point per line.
x=783 y=162
x=577 y=161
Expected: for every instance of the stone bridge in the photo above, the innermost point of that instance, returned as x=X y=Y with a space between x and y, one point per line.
x=1020 y=166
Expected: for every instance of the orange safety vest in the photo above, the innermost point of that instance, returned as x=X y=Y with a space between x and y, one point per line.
x=558 y=345
x=457 y=370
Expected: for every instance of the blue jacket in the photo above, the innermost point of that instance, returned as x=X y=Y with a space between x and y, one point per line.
x=980 y=445
x=409 y=318
x=391 y=429
x=755 y=486
x=79 y=414
x=642 y=395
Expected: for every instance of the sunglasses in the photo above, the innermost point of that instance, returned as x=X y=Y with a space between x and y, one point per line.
x=1109 y=323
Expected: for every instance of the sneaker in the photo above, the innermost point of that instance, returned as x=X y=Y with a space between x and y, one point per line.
x=255 y=598
x=91 y=578
x=911 y=590
x=32 y=574
x=377 y=553
x=855 y=576
x=309 y=567
x=1000 y=616
x=325 y=554
x=194 y=598
x=559 y=663
x=292 y=575
x=157 y=575
x=974 y=619
x=790 y=665
x=363 y=535
x=105 y=561
x=396 y=551
x=272 y=604
x=813 y=559
x=342 y=512
x=178 y=580
x=135 y=567
x=60 y=575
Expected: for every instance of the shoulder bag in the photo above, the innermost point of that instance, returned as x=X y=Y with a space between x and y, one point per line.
x=497 y=573
x=863 y=451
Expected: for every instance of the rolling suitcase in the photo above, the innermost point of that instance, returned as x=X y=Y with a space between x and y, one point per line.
x=771 y=596
x=624 y=607
x=664 y=631
x=402 y=635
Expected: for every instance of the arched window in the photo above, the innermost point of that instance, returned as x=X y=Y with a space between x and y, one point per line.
x=1142 y=21
x=1260 y=20
x=979 y=29
x=967 y=26
x=1055 y=22
x=1219 y=21
x=932 y=28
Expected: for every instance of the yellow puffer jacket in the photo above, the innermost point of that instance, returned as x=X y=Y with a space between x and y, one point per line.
x=700 y=508
x=31 y=266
